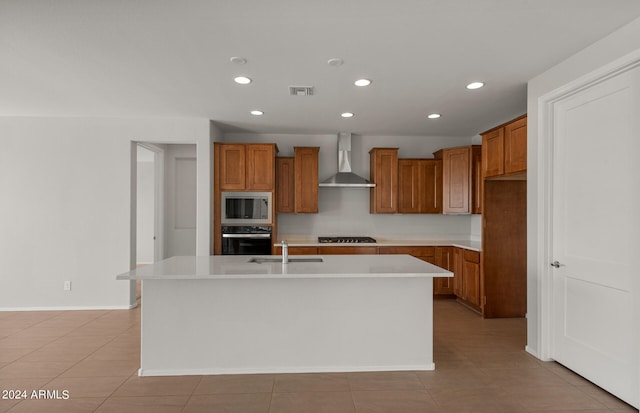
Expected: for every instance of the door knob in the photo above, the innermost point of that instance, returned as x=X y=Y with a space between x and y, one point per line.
x=556 y=264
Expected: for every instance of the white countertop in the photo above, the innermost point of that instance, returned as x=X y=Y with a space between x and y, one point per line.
x=312 y=241
x=334 y=266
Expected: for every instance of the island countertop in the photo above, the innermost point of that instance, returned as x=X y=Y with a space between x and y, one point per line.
x=239 y=267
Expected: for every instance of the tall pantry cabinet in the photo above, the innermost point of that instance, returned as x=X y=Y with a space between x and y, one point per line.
x=504 y=220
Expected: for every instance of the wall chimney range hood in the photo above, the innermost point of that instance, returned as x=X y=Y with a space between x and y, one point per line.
x=345 y=178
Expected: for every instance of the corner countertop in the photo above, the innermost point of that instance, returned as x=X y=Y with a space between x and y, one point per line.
x=295 y=240
x=239 y=267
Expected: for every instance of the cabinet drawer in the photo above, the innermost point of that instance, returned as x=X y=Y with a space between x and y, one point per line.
x=414 y=251
x=472 y=256
x=347 y=250
x=298 y=251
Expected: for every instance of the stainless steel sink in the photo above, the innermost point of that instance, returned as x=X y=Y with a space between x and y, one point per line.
x=261 y=260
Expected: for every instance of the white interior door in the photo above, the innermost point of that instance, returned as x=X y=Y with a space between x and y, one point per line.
x=596 y=184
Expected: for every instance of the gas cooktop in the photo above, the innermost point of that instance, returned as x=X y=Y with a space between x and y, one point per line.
x=346 y=240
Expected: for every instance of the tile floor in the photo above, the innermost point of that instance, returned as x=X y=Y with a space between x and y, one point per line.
x=94 y=356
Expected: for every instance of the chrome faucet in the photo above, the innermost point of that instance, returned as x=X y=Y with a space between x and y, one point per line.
x=285 y=252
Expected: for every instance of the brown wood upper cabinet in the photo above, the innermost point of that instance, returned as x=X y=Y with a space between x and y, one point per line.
x=384 y=173
x=297 y=182
x=420 y=186
x=504 y=149
x=476 y=178
x=285 y=185
x=457 y=179
x=246 y=166
x=306 y=179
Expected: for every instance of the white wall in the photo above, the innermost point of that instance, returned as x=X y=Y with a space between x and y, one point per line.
x=618 y=44
x=66 y=206
x=345 y=211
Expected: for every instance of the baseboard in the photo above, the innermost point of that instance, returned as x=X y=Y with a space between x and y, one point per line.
x=303 y=369
x=72 y=308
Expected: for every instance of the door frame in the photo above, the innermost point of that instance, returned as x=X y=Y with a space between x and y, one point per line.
x=158 y=202
x=544 y=194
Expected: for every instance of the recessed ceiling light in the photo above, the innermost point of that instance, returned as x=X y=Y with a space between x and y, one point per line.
x=362 y=82
x=257 y=112
x=335 y=62
x=242 y=80
x=347 y=115
x=434 y=116
x=475 y=85
x=238 y=60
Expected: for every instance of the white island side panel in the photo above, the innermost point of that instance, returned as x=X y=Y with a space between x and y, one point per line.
x=249 y=325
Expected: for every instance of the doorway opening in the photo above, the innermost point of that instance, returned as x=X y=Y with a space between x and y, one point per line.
x=165 y=203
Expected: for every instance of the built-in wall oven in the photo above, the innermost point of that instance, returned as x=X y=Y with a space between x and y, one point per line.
x=246 y=208
x=246 y=240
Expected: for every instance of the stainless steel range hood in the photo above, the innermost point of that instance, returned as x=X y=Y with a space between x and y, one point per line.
x=345 y=178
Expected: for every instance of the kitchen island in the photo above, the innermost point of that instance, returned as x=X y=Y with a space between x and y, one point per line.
x=226 y=314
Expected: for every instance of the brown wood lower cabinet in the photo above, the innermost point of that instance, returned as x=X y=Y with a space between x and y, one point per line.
x=465 y=265
x=471 y=278
x=466 y=281
x=433 y=255
x=297 y=251
x=347 y=250
x=443 y=259
x=504 y=246
x=457 y=271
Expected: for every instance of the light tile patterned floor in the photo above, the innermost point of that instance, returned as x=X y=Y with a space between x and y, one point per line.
x=94 y=355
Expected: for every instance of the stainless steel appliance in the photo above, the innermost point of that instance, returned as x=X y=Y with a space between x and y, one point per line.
x=346 y=240
x=246 y=240
x=345 y=178
x=246 y=208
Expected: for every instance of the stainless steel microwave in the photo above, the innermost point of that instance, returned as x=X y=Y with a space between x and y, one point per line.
x=246 y=208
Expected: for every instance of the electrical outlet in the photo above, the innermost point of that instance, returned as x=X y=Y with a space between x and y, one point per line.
x=67 y=285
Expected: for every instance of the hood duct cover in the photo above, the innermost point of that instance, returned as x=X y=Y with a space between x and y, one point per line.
x=345 y=178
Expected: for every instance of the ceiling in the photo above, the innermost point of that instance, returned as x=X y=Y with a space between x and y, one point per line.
x=161 y=58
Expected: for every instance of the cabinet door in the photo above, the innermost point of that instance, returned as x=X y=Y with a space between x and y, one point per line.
x=416 y=251
x=347 y=250
x=384 y=173
x=431 y=186
x=232 y=167
x=260 y=167
x=456 y=177
x=493 y=153
x=515 y=146
x=285 y=185
x=408 y=186
x=471 y=277
x=476 y=177
x=306 y=179
x=443 y=259
x=298 y=250
x=457 y=272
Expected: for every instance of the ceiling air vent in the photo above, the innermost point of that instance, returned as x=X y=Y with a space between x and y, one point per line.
x=301 y=90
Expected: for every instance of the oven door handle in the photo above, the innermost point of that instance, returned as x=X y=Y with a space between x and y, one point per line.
x=246 y=235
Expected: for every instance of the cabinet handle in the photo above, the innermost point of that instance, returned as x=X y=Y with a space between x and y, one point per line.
x=556 y=264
